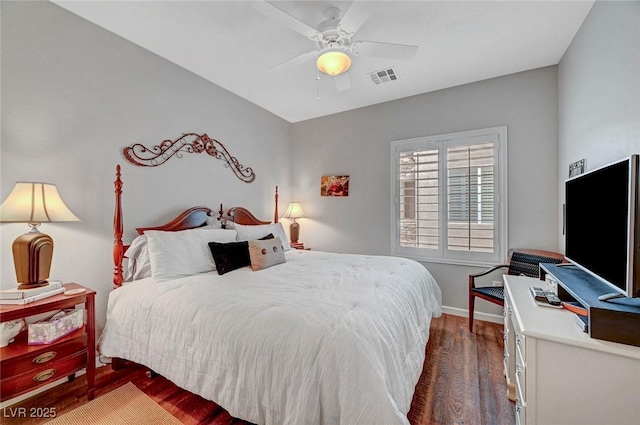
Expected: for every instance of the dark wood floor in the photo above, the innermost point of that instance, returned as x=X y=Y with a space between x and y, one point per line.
x=462 y=383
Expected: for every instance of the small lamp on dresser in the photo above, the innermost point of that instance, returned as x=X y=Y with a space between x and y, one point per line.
x=34 y=203
x=294 y=211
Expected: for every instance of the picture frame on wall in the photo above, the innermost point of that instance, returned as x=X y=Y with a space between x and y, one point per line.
x=577 y=168
x=334 y=186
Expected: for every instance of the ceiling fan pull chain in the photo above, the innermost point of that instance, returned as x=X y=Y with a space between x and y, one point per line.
x=318 y=85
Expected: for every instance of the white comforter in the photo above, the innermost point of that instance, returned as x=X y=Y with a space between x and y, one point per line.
x=321 y=339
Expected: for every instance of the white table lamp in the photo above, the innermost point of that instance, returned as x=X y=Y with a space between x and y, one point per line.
x=34 y=203
x=294 y=211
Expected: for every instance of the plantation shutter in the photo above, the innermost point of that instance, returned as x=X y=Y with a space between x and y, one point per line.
x=419 y=199
x=470 y=198
x=449 y=197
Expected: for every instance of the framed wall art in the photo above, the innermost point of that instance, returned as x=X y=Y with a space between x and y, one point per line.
x=577 y=168
x=334 y=186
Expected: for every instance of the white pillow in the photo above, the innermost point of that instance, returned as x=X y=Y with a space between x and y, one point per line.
x=213 y=222
x=249 y=233
x=183 y=253
x=138 y=265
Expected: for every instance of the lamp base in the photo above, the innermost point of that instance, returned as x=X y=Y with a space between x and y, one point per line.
x=32 y=253
x=294 y=232
x=22 y=286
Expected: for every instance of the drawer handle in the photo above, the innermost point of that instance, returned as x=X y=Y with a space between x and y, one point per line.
x=44 y=357
x=44 y=375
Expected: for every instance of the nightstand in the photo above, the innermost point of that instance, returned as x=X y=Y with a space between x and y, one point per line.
x=24 y=367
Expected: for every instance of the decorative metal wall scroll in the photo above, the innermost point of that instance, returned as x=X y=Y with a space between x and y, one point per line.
x=191 y=143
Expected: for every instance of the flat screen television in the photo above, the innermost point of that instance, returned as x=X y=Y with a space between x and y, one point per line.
x=602 y=225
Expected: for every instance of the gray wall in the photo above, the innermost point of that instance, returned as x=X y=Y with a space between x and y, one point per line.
x=73 y=95
x=599 y=90
x=357 y=143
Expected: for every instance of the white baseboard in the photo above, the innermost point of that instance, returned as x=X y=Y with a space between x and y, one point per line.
x=44 y=388
x=478 y=315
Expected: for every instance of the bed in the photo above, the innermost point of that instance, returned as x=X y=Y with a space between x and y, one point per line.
x=318 y=338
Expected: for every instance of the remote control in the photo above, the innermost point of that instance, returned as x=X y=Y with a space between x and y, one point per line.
x=552 y=298
x=538 y=294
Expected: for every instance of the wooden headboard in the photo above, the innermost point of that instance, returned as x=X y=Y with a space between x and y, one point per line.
x=191 y=218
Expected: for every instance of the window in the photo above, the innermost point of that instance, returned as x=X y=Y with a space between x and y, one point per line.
x=448 y=195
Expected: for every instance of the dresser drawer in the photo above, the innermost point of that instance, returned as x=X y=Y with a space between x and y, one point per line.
x=39 y=356
x=40 y=375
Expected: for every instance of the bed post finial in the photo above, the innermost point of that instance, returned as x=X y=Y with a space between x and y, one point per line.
x=118 y=247
x=221 y=219
x=275 y=214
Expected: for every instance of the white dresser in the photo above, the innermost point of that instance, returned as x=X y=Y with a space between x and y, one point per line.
x=557 y=373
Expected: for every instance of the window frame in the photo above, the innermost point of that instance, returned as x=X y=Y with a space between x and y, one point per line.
x=497 y=135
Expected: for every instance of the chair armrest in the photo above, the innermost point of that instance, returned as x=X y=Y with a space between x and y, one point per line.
x=489 y=270
x=472 y=277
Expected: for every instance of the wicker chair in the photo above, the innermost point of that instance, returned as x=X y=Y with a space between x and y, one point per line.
x=521 y=262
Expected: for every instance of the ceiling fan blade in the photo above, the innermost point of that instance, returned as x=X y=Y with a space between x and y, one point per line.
x=286 y=19
x=292 y=63
x=356 y=16
x=343 y=81
x=384 y=50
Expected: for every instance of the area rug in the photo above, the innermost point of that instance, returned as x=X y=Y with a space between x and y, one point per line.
x=123 y=406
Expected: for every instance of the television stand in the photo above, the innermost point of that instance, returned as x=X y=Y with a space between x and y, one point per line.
x=612 y=296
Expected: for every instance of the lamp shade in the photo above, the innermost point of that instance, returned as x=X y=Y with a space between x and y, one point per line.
x=32 y=202
x=294 y=210
x=334 y=62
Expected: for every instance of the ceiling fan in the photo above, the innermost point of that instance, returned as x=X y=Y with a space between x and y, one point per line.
x=334 y=40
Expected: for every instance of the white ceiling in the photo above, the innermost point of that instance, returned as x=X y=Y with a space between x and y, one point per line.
x=232 y=44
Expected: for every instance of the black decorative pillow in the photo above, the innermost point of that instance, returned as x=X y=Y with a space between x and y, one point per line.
x=231 y=255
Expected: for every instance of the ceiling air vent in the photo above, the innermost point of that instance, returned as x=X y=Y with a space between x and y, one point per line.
x=384 y=76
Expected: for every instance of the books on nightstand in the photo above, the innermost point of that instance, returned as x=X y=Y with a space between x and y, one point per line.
x=25 y=296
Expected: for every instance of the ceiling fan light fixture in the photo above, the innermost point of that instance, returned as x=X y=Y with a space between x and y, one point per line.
x=334 y=62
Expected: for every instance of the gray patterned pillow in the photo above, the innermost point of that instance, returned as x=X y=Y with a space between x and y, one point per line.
x=266 y=253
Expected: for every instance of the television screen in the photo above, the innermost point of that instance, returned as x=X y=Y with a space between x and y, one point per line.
x=600 y=223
